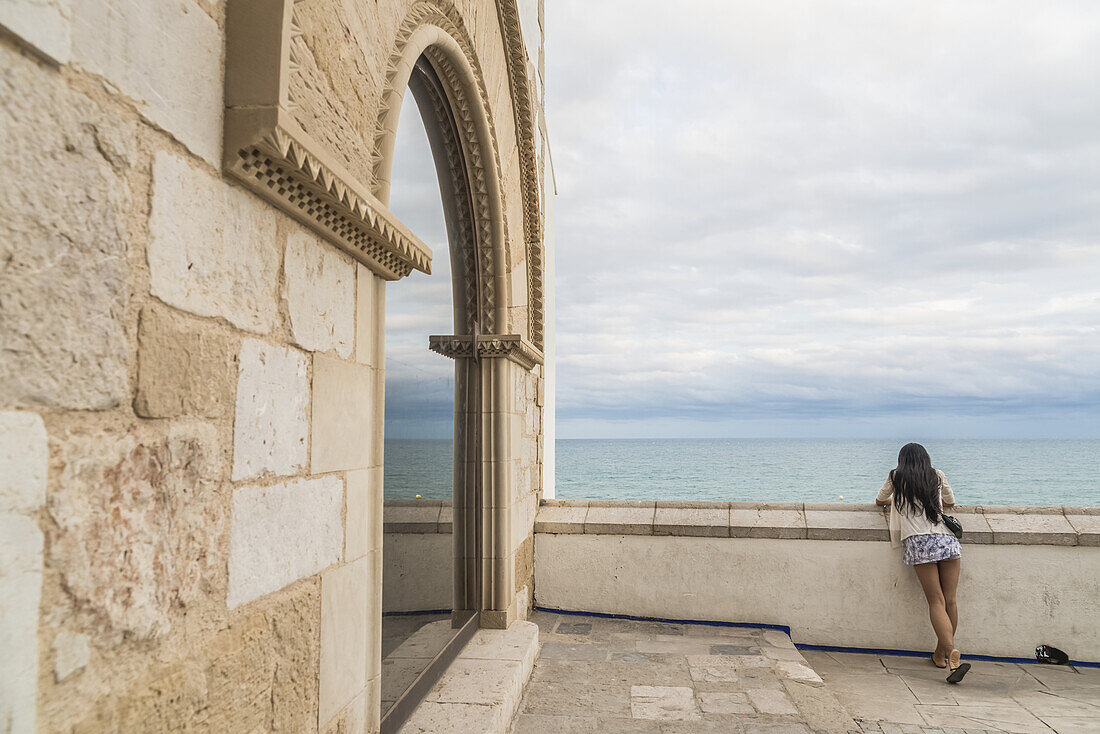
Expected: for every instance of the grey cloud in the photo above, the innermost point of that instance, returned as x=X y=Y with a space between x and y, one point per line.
x=796 y=213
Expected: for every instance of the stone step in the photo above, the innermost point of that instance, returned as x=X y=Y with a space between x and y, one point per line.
x=481 y=690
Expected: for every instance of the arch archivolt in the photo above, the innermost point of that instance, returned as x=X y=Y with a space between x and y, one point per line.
x=437 y=32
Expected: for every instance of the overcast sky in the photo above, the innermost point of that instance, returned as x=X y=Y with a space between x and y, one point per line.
x=804 y=219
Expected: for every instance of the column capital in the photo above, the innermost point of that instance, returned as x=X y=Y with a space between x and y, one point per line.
x=487 y=346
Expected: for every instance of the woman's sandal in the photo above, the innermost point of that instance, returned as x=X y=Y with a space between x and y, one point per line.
x=932 y=657
x=958 y=669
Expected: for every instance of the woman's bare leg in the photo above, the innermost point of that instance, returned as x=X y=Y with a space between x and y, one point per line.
x=949 y=582
x=929 y=576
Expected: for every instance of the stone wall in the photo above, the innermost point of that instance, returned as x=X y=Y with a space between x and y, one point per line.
x=1030 y=575
x=191 y=383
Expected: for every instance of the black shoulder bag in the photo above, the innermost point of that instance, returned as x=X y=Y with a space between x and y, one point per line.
x=953 y=525
x=950 y=521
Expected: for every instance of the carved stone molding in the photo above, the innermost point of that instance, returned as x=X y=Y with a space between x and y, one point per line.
x=523 y=107
x=270 y=153
x=445 y=17
x=489 y=266
x=512 y=347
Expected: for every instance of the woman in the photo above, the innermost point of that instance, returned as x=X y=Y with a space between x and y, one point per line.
x=916 y=494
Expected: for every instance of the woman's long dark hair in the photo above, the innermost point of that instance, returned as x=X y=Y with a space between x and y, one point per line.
x=916 y=483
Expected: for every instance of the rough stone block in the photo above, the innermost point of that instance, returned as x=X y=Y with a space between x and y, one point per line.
x=183 y=369
x=212 y=247
x=1037 y=529
x=70 y=654
x=139 y=525
x=24 y=454
x=282 y=533
x=846 y=525
x=767 y=523
x=45 y=25
x=166 y=56
x=345 y=595
x=344 y=419
x=64 y=283
x=271 y=427
x=1087 y=528
x=258 y=674
x=628 y=520
x=711 y=522
x=319 y=295
x=20 y=590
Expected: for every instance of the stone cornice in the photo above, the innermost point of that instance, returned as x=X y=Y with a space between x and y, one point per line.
x=268 y=151
x=487 y=346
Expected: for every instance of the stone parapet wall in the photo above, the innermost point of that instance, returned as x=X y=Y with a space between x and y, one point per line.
x=982 y=524
x=1030 y=575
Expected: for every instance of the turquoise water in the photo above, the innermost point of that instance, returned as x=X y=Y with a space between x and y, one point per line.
x=982 y=472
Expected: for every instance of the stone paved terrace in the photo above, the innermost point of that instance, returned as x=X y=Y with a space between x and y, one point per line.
x=596 y=674
x=902 y=695
x=610 y=675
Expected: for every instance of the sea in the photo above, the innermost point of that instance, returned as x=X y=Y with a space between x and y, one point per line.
x=981 y=471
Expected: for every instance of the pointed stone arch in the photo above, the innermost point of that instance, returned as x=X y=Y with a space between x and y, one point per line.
x=436 y=30
x=434 y=58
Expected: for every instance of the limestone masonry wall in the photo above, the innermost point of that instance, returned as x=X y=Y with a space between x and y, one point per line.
x=192 y=382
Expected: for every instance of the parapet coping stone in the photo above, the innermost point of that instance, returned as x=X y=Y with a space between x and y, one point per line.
x=411 y=516
x=982 y=525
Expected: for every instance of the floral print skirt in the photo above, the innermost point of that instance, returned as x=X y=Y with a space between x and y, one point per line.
x=930 y=548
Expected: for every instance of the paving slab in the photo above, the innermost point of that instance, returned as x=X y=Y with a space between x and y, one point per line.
x=901 y=695
x=664 y=703
x=771 y=701
x=820 y=708
x=1004 y=718
x=540 y=724
x=718 y=702
x=1071 y=724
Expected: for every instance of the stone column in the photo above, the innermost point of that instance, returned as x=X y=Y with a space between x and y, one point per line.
x=488 y=425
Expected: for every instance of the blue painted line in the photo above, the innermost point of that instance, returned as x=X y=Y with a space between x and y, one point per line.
x=414 y=614
x=787 y=630
x=916 y=654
